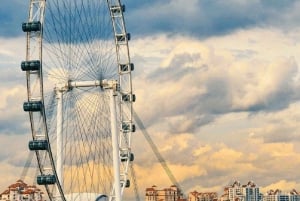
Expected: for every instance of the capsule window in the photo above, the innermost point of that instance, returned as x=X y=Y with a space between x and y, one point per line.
x=128 y=127
x=38 y=145
x=31 y=26
x=30 y=65
x=128 y=98
x=126 y=156
x=126 y=183
x=123 y=37
x=32 y=106
x=126 y=67
x=46 y=179
x=117 y=9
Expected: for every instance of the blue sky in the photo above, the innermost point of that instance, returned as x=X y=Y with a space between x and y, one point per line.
x=218 y=80
x=207 y=18
x=198 y=18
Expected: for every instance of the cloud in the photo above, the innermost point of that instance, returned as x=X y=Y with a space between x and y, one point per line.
x=271 y=87
x=232 y=107
x=283 y=185
x=157 y=175
x=10 y=174
x=201 y=19
x=210 y=18
x=13 y=87
x=202 y=82
x=219 y=109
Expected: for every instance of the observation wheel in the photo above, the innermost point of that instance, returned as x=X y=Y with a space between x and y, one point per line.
x=80 y=97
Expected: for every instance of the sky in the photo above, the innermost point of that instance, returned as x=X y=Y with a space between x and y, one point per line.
x=217 y=85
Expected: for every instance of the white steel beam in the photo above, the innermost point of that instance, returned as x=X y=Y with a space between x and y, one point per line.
x=59 y=139
x=115 y=144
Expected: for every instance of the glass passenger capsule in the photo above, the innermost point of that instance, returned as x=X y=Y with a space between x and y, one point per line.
x=46 y=179
x=31 y=26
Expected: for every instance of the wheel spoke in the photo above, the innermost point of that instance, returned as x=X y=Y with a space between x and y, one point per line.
x=71 y=44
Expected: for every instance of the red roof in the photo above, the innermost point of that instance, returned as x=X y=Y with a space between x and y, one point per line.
x=294 y=192
x=19 y=183
x=22 y=187
x=150 y=189
x=6 y=192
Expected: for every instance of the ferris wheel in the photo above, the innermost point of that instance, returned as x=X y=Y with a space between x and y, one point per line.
x=80 y=97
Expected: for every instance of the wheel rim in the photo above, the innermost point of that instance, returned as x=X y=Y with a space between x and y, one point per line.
x=78 y=40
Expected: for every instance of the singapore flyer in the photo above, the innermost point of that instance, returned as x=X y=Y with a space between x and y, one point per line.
x=79 y=97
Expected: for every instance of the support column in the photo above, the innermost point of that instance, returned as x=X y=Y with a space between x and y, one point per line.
x=115 y=144
x=59 y=137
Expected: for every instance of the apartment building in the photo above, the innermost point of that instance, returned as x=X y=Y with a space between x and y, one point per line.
x=278 y=195
x=251 y=192
x=238 y=192
x=20 y=191
x=202 y=196
x=234 y=192
x=172 y=193
x=294 y=195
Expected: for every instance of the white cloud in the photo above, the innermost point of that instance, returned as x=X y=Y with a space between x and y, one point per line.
x=197 y=100
x=208 y=77
x=283 y=185
x=220 y=91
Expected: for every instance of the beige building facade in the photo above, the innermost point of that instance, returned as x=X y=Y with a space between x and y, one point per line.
x=20 y=191
x=172 y=193
x=202 y=196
